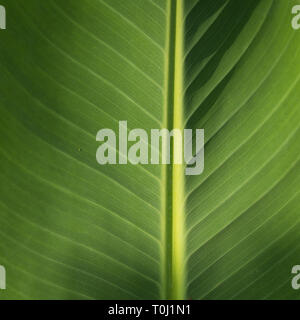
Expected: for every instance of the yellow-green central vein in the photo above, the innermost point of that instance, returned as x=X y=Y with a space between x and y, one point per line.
x=173 y=179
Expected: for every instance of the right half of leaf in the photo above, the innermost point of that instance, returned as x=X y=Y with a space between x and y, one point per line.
x=242 y=85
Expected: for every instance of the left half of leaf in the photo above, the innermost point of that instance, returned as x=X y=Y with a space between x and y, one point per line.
x=69 y=228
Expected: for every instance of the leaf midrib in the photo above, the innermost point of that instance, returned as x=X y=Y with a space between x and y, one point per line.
x=173 y=182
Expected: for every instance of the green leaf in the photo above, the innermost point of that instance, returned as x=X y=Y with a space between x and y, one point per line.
x=72 y=229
